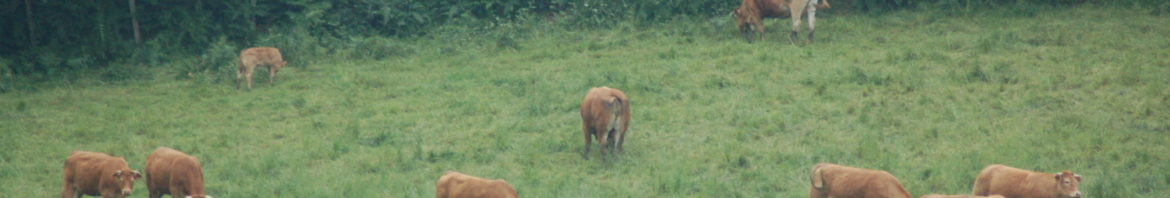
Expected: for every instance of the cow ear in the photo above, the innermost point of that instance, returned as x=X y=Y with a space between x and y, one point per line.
x=1058 y=176
x=1078 y=178
x=137 y=175
x=117 y=173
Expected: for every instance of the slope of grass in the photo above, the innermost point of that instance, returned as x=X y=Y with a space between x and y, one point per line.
x=930 y=99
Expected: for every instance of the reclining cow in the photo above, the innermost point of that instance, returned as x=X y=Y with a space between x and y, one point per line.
x=831 y=180
x=1018 y=183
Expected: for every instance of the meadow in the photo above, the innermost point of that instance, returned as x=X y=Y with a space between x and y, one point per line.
x=931 y=98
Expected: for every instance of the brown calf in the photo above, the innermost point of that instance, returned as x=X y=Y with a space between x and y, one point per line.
x=1019 y=183
x=605 y=113
x=97 y=174
x=831 y=180
x=173 y=172
x=260 y=56
x=458 y=185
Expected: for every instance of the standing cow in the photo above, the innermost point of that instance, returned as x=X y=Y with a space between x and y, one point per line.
x=458 y=185
x=750 y=15
x=97 y=174
x=259 y=57
x=605 y=114
x=173 y=172
x=831 y=180
x=1019 y=183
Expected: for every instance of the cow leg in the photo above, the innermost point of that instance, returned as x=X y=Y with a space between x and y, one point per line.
x=613 y=138
x=812 y=19
x=271 y=74
x=601 y=139
x=621 y=141
x=67 y=191
x=760 y=29
x=248 y=76
x=588 y=143
x=796 y=12
x=746 y=32
x=239 y=76
x=795 y=29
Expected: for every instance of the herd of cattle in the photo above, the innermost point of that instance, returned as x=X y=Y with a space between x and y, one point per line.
x=605 y=115
x=173 y=172
x=168 y=171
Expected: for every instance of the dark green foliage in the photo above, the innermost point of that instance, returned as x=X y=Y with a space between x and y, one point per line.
x=47 y=39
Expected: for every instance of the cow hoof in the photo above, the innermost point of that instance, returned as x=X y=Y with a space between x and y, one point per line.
x=792 y=37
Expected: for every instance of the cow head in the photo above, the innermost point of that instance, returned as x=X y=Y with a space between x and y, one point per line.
x=739 y=15
x=1067 y=184
x=743 y=21
x=125 y=180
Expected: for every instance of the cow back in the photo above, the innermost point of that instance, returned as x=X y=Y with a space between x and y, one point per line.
x=172 y=169
x=261 y=56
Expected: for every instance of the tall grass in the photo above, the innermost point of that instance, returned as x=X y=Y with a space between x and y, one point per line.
x=930 y=99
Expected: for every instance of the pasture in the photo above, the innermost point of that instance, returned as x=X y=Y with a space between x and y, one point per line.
x=930 y=98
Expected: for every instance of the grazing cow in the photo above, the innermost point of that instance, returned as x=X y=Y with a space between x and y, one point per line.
x=173 y=172
x=458 y=185
x=959 y=196
x=750 y=15
x=259 y=56
x=1019 y=183
x=97 y=174
x=831 y=180
x=605 y=114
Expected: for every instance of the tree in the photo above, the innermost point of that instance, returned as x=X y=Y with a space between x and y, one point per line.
x=32 y=39
x=134 y=20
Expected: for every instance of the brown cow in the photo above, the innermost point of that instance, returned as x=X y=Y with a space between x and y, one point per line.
x=173 y=172
x=750 y=15
x=94 y=174
x=959 y=196
x=259 y=56
x=605 y=113
x=1018 y=183
x=458 y=185
x=831 y=180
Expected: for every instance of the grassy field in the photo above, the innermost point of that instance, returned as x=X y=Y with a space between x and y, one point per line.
x=930 y=99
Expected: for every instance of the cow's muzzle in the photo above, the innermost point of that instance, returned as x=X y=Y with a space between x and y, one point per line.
x=126 y=192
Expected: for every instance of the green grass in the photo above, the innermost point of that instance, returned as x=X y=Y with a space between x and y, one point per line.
x=930 y=99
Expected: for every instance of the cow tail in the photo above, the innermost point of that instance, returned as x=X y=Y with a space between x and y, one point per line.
x=617 y=105
x=818 y=178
